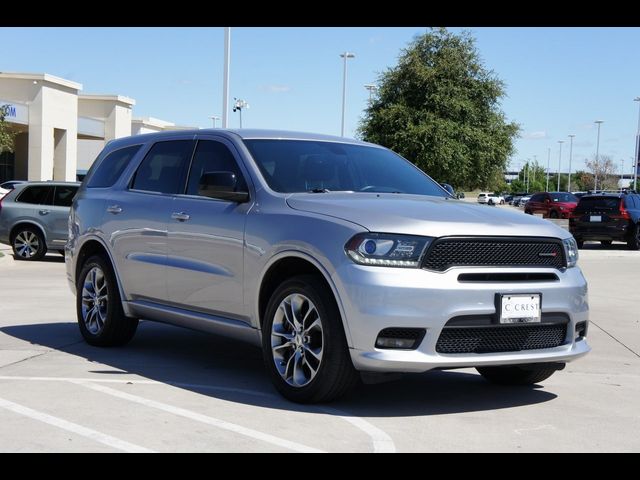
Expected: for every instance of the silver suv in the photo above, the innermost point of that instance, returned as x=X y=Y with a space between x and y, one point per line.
x=337 y=257
x=33 y=218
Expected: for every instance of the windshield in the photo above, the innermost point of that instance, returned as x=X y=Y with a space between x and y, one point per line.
x=563 y=197
x=291 y=166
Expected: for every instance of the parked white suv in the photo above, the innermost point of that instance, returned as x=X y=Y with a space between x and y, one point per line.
x=490 y=198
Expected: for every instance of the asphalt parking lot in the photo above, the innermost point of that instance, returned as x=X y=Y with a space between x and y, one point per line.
x=174 y=390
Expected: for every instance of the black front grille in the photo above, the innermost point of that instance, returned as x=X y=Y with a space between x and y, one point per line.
x=500 y=338
x=445 y=253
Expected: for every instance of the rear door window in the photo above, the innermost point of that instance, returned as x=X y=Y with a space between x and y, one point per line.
x=164 y=168
x=63 y=196
x=37 y=195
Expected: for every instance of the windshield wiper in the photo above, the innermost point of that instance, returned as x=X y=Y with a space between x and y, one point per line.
x=319 y=190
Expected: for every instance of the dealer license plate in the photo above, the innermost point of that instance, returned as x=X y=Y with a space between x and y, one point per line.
x=595 y=218
x=522 y=308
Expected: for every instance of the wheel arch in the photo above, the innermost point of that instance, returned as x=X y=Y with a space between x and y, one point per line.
x=286 y=265
x=25 y=222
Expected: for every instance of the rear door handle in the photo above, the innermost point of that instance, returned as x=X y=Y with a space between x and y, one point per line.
x=44 y=212
x=115 y=209
x=180 y=216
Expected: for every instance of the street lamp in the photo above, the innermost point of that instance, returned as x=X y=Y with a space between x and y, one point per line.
x=214 y=118
x=372 y=88
x=595 y=182
x=346 y=56
x=559 y=162
x=548 y=164
x=238 y=106
x=570 y=157
x=635 y=160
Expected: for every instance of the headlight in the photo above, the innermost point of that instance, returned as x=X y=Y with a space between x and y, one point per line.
x=386 y=250
x=571 y=251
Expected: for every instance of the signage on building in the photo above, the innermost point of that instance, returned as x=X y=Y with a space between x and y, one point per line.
x=16 y=112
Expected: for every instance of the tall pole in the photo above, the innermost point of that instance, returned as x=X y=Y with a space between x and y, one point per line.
x=621 y=172
x=345 y=55
x=535 y=164
x=635 y=159
x=570 y=157
x=559 y=162
x=595 y=183
x=527 y=175
x=214 y=118
x=225 y=79
x=548 y=165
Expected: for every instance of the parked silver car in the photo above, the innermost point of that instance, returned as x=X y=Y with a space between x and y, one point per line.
x=33 y=218
x=336 y=256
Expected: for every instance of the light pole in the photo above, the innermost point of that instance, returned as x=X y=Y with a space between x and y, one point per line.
x=548 y=166
x=621 y=172
x=225 y=78
x=238 y=106
x=635 y=159
x=346 y=56
x=559 y=162
x=214 y=118
x=570 y=157
x=595 y=182
x=372 y=88
x=527 y=176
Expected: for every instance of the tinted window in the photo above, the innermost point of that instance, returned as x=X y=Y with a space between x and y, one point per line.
x=599 y=203
x=37 y=195
x=301 y=166
x=537 y=198
x=63 y=196
x=164 y=168
x=110 y=169
x=563 y=197
x=212 y=156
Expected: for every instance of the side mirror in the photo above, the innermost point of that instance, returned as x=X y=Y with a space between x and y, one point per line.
x=221 y=185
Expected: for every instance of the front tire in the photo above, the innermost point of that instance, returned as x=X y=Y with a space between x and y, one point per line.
x=28 y=244
x=304 y=346
x=99 y=310
x=515 y=375
x=553 y=214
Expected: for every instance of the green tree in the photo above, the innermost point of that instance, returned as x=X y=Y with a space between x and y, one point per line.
x=6 y=135
x=536 y=176
x=440 y=108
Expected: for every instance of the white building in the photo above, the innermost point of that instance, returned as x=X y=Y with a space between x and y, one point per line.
x=60 y=131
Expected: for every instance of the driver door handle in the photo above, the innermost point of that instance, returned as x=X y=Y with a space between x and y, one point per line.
x=180 y=216
x=115 y=209
x=44 y=212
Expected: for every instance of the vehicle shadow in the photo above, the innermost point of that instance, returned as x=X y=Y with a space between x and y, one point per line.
x=233 y=371
x=48 y=258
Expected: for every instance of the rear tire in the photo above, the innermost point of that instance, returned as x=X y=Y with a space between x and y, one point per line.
x=634 y=238
x=28 y=244
x=515 y=375
x=291 y=344
x=99 y=310
x=553 y=214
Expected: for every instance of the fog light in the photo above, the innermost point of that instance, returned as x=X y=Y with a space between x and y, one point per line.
x=581 y=329
x=400 y=338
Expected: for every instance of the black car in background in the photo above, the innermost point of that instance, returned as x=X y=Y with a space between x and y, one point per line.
x=607 y=217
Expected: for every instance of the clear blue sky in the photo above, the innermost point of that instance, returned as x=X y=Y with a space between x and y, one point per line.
x=558 y=80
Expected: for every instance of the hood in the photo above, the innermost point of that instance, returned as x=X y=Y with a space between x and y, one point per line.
x=423 y=215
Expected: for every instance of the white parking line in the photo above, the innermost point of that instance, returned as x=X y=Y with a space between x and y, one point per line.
x=73 y=427
x=232 y=427
x=382 y=443
x=380 y=440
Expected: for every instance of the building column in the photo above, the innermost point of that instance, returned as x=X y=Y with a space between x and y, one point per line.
x=41 y=151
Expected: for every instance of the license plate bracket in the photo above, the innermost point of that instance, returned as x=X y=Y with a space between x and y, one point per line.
x=519 y=308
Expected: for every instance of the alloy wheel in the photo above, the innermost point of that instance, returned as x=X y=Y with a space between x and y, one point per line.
x=27 y=244
x=297 y=340
x=94 y=300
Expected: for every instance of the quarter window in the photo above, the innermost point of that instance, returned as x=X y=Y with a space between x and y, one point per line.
x=110 y=169
x=163 y=170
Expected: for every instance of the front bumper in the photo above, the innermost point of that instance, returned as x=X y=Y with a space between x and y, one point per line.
x=374 y=298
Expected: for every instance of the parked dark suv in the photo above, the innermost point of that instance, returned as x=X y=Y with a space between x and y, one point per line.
x=607 y=217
